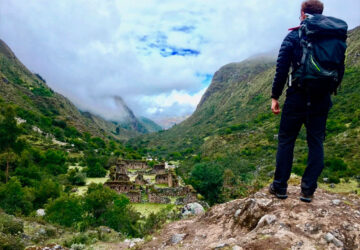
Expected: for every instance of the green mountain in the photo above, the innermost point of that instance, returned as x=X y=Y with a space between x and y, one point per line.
x=150 y=125
x=234 y=128
x=38 y=102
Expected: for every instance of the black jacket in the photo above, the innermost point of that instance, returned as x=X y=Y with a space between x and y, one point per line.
x=289 y=55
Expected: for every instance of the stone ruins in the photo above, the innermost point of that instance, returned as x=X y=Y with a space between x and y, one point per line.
x=142 y=183
x=168 y=178
x=120 y=182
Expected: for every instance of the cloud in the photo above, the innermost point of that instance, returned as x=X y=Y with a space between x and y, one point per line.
x=158 y=55
x=157 y=104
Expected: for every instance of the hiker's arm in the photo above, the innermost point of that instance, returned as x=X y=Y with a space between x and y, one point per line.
x=282 y=67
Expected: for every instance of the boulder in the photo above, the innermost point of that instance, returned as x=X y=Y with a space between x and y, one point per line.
x=330 y=238
x=176 y=238
x=133 y=242
x=336 y=202
x=192 y=209
x=40 y=212
x=267 y=219
x=250 y=212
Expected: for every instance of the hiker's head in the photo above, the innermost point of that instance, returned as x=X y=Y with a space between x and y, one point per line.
x=311 y=7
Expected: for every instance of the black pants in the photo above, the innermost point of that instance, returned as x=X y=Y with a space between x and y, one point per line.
x=311 y=110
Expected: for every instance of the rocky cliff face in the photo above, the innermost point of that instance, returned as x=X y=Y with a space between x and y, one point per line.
x=261 y=221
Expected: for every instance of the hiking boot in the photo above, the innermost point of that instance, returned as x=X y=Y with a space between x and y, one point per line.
x=306 y=198
x=276 y=193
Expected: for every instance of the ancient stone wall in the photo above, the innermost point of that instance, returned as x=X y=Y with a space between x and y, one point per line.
x=139 y=180
x=177 y=191
x=157 y=198
x=136 y=165
x=134 y=196
x=159 y=169
x=120 y=186
x=189 y=198
x=162 y=179
x=125 y=187
x=172 y=180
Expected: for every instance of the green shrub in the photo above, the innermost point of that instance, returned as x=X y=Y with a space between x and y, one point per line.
x=54 y=162
x=207 y=179
x=11 y=242
x=95 y=171
x=42 y=92
x=121 y=217
x=72 y=132
x=335 y=164
x=335 y=126
x=298 y=169
x=154 y=221
x=10 y=224
x=59 y=134
x=14 y=198
x=59 y=123
x=98 y=198
x=103 y=206
x=67 y=210
x=334 y=179
x=29 y=175
x=44 y=190
x=76 y=177
x=85 y=238
x=97 y=142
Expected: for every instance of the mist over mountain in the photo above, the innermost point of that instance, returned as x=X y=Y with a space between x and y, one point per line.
x=31 y=92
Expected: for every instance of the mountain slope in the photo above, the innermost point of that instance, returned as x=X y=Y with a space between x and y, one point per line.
x=222 y=104
x=150 y=125
x=30 y=92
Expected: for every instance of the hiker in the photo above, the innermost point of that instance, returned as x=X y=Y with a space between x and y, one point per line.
x=316 y=52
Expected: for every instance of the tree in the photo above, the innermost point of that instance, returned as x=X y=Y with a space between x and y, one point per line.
x=54 y=162
x=103 y=206
x=208 y=180
x=44 y=190
x=96 y=171
x=14 y=198
x=65 y=210
x=9 y=142
x=98 y=198
x=76 y=177
x=121 y=217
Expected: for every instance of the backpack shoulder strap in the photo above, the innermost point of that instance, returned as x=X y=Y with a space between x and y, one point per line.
x=294 y=28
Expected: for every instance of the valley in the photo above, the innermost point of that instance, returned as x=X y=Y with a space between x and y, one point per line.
x=73 y=179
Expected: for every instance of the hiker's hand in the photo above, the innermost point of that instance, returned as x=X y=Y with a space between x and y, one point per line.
x=275 y=108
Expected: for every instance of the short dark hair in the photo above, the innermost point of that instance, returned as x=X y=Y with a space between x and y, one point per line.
x=312 y=7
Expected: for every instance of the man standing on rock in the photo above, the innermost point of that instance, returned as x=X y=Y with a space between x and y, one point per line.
x=316 y=52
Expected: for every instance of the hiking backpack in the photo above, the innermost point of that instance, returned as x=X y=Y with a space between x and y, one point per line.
x=323 y=43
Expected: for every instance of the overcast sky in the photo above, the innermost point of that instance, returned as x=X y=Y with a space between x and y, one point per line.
x=158 y=55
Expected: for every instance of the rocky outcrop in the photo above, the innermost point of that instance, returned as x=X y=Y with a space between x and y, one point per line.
x=331 y=221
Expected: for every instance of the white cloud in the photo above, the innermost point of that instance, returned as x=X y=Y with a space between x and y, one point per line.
x=92 y=50
x=158 y=103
